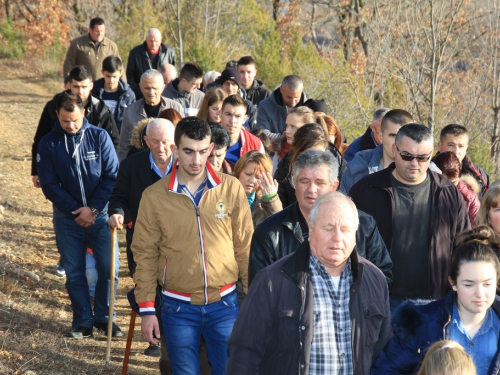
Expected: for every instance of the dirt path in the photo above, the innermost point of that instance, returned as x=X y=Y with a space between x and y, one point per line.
x=35 y=310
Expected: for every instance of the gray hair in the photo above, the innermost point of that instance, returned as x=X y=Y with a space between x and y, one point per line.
x=313 y=160
x=332 y=199
x=293 y=82
x=380 y=113
x=153 y=31
x=211 y=75
x=151 y=74
x=416 y=132
x=158 y=123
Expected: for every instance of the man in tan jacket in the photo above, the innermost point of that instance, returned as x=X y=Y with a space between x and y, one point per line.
x=90 y=50
x=192 y=236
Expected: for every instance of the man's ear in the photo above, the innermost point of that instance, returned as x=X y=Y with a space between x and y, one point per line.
x=174 y=150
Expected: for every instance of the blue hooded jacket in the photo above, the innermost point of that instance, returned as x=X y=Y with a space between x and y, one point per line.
x=127 y=97
x=416 y=327
x=77 y=170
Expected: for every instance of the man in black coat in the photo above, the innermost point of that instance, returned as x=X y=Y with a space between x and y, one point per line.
x=322 y=309
x=314 y=173
x=136 y=173
x=149 y=55
x=96 y=113
x=418 y=212
x=255 y=89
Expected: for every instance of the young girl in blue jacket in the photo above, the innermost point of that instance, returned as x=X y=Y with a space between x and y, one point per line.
x=469 y=314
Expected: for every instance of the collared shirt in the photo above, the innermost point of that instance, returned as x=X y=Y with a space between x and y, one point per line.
x=331 y=350
x=155 y=168
x=483 y=346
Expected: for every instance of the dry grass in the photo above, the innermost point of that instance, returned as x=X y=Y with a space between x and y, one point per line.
x=35 y=310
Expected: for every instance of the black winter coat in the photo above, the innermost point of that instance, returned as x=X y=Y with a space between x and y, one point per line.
x=258 y=92
x=280 y=235
x=139 y=62
x=273 y=332
x=373 y=194
x=134 y=176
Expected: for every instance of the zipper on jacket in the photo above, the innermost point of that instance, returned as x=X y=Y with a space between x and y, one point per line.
x=165 y=273
x=202 y=244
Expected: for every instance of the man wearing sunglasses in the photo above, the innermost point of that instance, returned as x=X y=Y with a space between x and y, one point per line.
x=370 y=161
x=418 y=213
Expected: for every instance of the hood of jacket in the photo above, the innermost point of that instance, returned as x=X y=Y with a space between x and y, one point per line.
x=256 y=85
x=123 y=87
x=472 y=182
x=411 y=315
x=173 y=90
x=277 y=99
x=138 y=133
x=60 y=130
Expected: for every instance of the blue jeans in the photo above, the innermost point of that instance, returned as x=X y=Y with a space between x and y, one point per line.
x=183 y=324
x=90 y=273
x=72 y=243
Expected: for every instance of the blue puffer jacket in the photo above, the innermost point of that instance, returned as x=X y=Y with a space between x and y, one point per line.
x=364 y=163
x=126 y=98
x=77 y=170
x=416 y=328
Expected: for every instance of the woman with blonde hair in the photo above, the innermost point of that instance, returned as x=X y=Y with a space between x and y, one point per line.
x=211 y=107
x=253 y=170
x=447 y=357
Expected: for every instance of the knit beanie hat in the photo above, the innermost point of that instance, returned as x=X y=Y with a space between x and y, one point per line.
x=230 y=74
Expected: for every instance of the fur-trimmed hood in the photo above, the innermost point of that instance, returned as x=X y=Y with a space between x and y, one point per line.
x=417 y=325
x=412 y=315
x=137 y=138
x=471 y=181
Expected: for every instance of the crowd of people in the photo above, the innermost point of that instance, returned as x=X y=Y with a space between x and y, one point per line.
x=260 y=240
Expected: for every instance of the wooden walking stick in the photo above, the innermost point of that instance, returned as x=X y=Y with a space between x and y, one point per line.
x=129 y=342
x=111 y=294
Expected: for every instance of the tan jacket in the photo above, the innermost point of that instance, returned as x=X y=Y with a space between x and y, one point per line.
x=188 y=249
x=82 y=51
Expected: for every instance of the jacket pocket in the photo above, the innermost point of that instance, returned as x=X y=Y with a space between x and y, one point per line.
x=288 y=328
x=373 y=316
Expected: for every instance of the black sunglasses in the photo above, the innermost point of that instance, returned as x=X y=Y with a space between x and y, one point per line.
x=408 y=157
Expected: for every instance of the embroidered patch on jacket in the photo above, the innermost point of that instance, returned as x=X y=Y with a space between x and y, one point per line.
x=221 y=207
x=91 y=155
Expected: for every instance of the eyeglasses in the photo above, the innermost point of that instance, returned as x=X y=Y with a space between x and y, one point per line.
x=409 y=157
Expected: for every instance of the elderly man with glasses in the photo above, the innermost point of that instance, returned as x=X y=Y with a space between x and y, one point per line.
x=418 y=213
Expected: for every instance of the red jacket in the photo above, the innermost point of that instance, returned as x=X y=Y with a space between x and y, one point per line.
x=250 y=142
x=471 y=201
